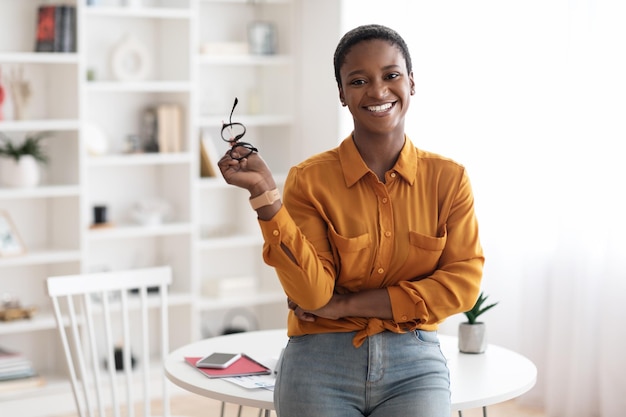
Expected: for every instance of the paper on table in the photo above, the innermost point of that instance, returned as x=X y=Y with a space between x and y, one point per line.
x=254 y=381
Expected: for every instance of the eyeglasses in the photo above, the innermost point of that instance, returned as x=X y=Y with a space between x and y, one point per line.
x=231 y=133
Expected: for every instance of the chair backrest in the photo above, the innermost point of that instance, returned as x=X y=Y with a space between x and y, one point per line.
x=106 y=321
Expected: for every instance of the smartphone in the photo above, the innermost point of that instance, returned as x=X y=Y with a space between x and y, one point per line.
x=218 y=360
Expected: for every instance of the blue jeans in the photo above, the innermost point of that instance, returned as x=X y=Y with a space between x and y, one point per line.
x=390 y=375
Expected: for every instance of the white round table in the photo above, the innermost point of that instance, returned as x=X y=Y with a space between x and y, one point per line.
x=477 y=380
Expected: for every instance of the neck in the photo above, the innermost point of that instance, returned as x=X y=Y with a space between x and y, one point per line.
x=379 y=153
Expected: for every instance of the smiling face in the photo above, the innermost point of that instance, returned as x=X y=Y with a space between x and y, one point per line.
x=376 y=87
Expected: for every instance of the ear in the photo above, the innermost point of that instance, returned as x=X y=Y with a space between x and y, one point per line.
x=342 y=98
x=412 y=83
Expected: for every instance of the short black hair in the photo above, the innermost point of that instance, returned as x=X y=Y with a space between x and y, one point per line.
x=367 y=33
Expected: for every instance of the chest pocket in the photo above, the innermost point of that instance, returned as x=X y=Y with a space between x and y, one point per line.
x=425 y=252
x=353 y=256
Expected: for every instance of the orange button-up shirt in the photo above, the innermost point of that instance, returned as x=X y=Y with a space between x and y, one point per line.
x=416 y=235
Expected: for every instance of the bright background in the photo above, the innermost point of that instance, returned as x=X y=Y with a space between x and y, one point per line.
x=531 y=97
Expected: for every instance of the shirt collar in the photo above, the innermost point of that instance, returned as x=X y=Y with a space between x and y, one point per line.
x=354 y=168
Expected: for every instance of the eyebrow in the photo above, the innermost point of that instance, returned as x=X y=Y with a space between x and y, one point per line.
x=385 y=68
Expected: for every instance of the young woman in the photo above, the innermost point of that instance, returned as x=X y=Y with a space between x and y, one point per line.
x=375 y=243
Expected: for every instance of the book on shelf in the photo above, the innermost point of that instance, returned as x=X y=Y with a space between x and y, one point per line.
x=22 y=383
x=16 y=372
x=169 y=128
x=208 y=155
x=56 y=28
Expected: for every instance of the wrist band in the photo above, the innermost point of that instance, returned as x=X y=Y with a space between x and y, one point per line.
x=266 y=199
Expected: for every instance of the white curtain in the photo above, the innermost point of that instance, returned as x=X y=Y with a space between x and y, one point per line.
x=531 y=97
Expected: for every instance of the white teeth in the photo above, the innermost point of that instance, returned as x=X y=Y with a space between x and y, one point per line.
x=380 y=108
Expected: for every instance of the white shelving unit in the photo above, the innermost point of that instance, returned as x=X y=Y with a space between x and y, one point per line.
x=229 y=244
x=212 y=234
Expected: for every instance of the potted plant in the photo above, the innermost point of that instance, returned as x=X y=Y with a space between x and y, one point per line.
x=19 y=162
x=472 y=333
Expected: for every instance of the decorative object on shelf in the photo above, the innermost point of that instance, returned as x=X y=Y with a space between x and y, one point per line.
x=10 y=242
x=96 y=141
x=118 y=356
x=91 y=74
x=472 y=333
x=262 y=38
x=21 y=92
x=133 y=144
x=240 y=320
x=151 y=212
x=130 y=60
x=100 y=217
x=19 y=163
x=12 y=309
x=149 y=130
x=2 y=97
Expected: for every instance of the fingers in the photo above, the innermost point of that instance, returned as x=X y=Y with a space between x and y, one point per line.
x=300 y=313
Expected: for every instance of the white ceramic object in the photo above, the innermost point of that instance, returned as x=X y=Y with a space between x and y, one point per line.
x=130 y=60
x=96 y=140
x=18 y=174
x=472 y=338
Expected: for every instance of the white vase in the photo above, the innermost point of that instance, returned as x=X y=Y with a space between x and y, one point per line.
x=472 y=338
x=23 y=173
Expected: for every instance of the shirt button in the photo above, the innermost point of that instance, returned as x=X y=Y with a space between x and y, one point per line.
x=275 y=232
x=393 y=175
x=381 y=270
x=388 y=234
x=404 y=318
x=385 y=200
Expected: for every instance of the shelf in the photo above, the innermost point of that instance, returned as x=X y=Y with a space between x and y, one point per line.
x=42 y=191
x=243 y=60
x=138 y=87
x=42 y=257
x=139 y=159
x=138 y=12
x=32 y=125
x=226 y=242
x=40 y=321
x=39 y=57
x=133 y=231
x=253 y=2
x=260 y=298
x=249 y=120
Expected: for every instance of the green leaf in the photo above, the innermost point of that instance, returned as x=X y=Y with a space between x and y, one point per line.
x=478 y=309
x=30 y=146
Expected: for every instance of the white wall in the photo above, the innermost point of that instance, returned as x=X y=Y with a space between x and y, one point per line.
x=319 y=100
x=508 y=89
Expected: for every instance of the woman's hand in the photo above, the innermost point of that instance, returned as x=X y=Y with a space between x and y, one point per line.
x=251 y=173
x=366 y=303
x=331 y=311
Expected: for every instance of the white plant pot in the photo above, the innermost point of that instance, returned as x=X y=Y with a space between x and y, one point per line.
x=472 y=338
x=23 y=173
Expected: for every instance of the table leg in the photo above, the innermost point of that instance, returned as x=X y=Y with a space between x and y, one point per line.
x=484 y=412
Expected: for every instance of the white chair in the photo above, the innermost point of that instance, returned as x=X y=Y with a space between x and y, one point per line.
x=98 y=312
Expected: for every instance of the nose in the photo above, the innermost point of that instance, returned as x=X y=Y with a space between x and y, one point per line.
x=378 y=89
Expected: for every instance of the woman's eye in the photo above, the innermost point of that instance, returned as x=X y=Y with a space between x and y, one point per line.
x=357 y=82
x=392 y=76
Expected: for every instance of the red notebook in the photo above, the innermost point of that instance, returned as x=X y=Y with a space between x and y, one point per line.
x=244 y=366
